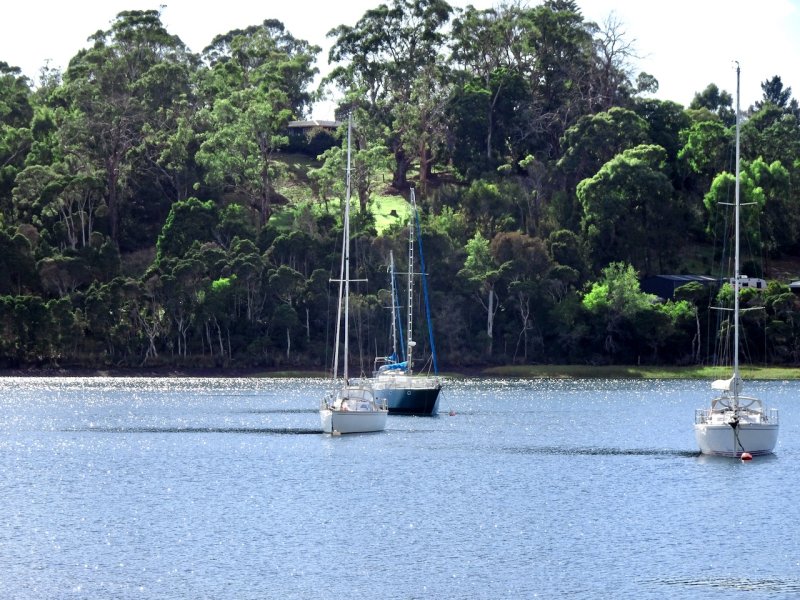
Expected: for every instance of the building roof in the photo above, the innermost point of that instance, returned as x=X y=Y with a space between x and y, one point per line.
x=681 y=279
x=314 y=123
x=665 y=285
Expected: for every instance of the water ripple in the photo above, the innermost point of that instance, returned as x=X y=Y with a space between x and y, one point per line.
x=572 y=451
x=261 y=430
x=279 y=411
x=742 y=584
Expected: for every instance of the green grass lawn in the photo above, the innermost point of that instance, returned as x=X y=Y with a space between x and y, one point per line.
x=636 y=372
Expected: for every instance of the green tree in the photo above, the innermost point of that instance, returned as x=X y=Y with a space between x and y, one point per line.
x=16 y=112
x=629 y=212
x=595 y=139
x=378 y=64
x=619 y=307
x=115 y=90
x=254 y=86
x=481 y=270
x=368 y=159
x=717 y=101
x=525 y=265
x=188 y=222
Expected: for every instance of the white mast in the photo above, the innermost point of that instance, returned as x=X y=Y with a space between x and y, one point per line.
x=347 y=253
x=394 y=304
x=736 y=274
x=344 y=271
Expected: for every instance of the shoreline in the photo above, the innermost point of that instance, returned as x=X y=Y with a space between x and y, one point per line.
x=504 y=372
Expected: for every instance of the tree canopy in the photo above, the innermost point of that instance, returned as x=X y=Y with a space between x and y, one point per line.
x=158 y=209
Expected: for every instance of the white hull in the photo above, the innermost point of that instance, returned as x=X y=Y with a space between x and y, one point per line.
x=755 y=432
x=336 y=421
x=353 y=410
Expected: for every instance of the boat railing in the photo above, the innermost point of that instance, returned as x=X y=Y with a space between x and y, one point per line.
x=359 y=392
x=772 y=415
x=402 y=380
x=702 y=415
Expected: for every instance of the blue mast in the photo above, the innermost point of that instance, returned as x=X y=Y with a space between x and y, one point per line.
x=425 y=285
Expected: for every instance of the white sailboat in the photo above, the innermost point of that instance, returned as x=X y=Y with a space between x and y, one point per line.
x=736 y=425
x=394 y=380
x=351 y=407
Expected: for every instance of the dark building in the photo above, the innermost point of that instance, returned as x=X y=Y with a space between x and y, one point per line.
x=664 y=286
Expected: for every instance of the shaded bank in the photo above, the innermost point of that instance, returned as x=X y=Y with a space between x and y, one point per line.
x=637 y=372
x=510 y=372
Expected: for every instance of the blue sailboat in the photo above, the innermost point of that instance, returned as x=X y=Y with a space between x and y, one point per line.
x=394 y=380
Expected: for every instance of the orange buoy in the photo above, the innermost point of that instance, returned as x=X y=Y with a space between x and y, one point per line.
x=746 y=456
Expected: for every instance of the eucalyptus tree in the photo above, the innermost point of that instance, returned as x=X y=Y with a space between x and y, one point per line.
x=559 y=71
x=525 y=74
x=64 y=204
x=706 y=150
x=595 y=139
x=369 y=157
x=117 y=92
x=772 y=224
x=488 y=207
x=629 y=213
x=189 y=222
x=773 y=134
x=288 y=286
x=570 y=266
x=706 y=147
x=666 y=120
x=717 y=101
x=379 y=61
x=423 y=124
x=16 y=113
x=482 y=271
x=782 y=324
x=180 y=279
x=775 y=93
x=525 y=266
x=17 y=264
x=487 y=48
x=256 y=82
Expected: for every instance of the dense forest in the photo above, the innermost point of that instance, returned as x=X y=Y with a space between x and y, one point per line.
x=158 y=211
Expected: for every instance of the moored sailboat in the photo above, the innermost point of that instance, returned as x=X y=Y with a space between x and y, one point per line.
x=352 y=406
x=394 y=380
x=735 y=425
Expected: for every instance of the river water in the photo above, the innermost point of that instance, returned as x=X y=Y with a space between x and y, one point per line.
x=226 y=488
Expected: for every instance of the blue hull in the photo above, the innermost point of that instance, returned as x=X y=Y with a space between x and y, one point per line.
x=404 y=401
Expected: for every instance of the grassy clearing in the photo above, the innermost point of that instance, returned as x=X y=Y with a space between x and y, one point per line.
x=389 y=211
x=637 y=372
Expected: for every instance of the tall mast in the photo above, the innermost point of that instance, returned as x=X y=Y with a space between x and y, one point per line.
x=345 y=244
x=394 y=303
x=736 y=274
x=409 y=322
x=347 y=252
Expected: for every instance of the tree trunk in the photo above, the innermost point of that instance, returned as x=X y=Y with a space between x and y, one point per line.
x=402 y=164
x=490 y=318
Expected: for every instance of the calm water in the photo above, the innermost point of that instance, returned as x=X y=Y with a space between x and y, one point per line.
x=199 y=488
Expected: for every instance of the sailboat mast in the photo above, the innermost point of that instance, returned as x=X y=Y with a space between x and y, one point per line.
x=736 y=274
x=394 y=303
x=409 y=322
x=347 y=253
